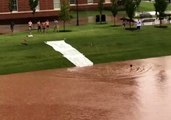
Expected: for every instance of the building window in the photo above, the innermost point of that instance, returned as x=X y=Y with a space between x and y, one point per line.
x=56 y=4
x=72 y=2
x=15 y=5
x=38 y=7
x=90 y=1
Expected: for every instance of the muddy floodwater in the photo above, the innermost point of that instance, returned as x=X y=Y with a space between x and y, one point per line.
x=130 y=90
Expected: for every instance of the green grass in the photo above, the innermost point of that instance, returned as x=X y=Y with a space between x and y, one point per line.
x=149 y=6
x=144 y=6
x=100 y=43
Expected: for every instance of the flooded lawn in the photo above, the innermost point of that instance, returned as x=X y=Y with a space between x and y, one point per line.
x=130 y=90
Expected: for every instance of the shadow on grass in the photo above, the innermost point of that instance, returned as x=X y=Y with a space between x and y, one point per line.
x=131 y=29
x=162 y=26
x=115 y=25
x=102 y=23
x=65 y=30
x=3 y=33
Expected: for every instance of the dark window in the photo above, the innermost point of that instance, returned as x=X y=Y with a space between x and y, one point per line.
x=72 y=1
x=15 y=5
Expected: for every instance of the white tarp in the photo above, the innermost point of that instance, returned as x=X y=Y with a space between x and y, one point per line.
x=73 y=55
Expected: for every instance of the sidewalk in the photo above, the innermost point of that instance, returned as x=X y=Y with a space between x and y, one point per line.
x=5 y=29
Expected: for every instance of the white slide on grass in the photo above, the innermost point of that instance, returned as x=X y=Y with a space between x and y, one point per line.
x=73 y=55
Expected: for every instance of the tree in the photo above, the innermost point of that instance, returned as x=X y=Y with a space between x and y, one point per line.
x=137 y=3
x=77 y=12
x=160 y=7
x=11 y=8
x=11 y=5
x=130 y=8
x=33 y=4
x=65 y=12
x=100 y=8
x=114 y=9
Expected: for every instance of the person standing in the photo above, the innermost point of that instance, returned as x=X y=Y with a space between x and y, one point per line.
x=39 y=26
x=47 y=24
x=124 y=23
x=30 y=24
x=12 y=26
x=56 y=25
x=138 y=23
x=44 y=26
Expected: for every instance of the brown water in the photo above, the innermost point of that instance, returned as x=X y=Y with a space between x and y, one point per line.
x=113 y=91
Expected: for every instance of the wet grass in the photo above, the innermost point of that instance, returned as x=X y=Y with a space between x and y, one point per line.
x=149 y=6
x=100 y=43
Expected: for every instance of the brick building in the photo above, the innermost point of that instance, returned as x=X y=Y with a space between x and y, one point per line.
x=45 y=8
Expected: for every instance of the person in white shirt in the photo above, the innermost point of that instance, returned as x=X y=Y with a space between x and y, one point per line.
x=30 y=26
x=56 y=25
x=138 y=24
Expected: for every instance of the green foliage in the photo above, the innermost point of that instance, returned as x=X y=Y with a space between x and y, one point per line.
x=149 y=6
x=65 y=12
x=33 y=4
x=160 y=7
x=101 y=6
x=114 y=9
x=130 y=8
x=11 y=5
x=137 y=3
x=146 y=6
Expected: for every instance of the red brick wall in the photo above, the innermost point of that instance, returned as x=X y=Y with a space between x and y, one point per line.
x=82 y=1
x=4 y=6
x=23 y=5
x=28 y=15
x=46 y=4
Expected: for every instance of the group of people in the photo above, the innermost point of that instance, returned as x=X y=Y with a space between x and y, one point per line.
x=43 y=26
x=138 y=24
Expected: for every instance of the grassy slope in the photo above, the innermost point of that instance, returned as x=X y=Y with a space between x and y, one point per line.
x=149 y=6
x=100 y=43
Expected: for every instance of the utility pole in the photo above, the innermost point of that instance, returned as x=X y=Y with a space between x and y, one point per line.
x=77 y=13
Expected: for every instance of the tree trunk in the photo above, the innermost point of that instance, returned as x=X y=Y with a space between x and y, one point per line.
x=100 y=17
x=129 y=24
x=160 y=18
x=64 y=25
x=160 y=22
x=33 y=21
x=114 y=20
